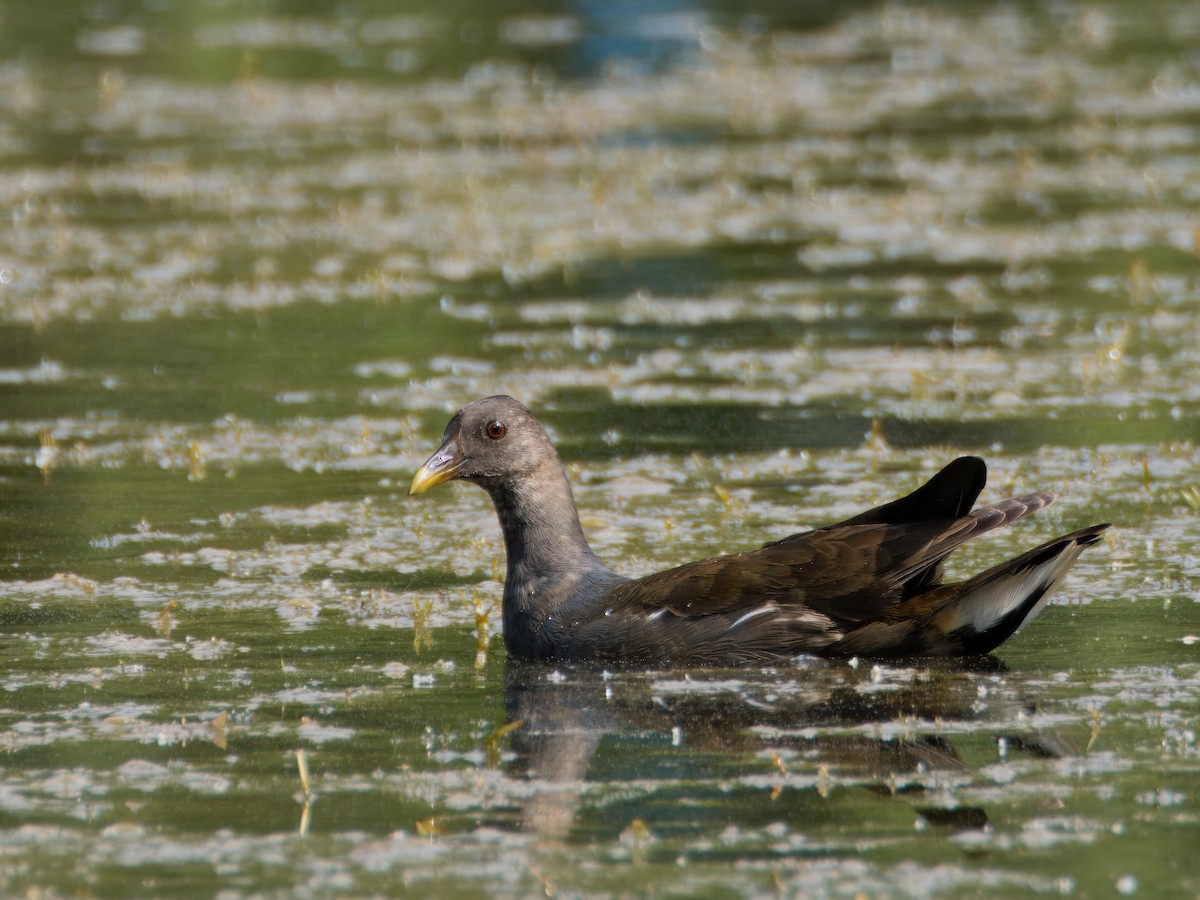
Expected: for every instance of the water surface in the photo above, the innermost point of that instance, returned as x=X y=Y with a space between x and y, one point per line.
x=756 y=268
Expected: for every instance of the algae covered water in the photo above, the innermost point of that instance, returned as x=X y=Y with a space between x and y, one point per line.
x=756 y=269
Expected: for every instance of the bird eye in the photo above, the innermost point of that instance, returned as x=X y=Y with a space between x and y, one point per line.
x=495 y=430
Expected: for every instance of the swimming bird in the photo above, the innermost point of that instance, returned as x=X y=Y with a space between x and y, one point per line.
x=870 y=586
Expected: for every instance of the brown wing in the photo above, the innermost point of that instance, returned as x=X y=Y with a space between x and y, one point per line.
x=843 y=574
x=806 y=593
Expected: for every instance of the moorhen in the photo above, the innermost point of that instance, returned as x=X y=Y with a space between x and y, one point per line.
x=869 y=586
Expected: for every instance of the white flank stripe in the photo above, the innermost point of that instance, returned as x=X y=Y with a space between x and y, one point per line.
x=750 y=615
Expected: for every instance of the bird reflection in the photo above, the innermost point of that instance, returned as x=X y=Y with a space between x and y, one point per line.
x=889 y=732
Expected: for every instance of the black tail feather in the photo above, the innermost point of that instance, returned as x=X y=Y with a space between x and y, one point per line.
x=947 y=495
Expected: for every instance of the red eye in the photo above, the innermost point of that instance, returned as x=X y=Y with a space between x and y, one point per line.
x=495 y=430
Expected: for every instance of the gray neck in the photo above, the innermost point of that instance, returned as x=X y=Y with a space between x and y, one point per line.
x=549 y=560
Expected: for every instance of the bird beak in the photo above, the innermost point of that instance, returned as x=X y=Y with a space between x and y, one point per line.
x=442 y=466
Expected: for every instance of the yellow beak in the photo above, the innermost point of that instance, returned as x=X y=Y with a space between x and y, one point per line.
x=442 y=466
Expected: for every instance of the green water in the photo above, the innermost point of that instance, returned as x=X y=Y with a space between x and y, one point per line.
x=757 y=268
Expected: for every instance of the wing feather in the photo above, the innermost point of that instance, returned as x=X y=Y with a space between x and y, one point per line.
x=844 y=574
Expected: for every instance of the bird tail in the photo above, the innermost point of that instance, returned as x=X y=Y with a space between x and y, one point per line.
x=994 y=605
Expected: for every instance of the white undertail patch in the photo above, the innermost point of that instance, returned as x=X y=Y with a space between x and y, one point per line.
x=985 y=607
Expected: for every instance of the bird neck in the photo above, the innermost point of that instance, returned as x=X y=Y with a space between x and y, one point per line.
x=549 y=559
x=542 y=534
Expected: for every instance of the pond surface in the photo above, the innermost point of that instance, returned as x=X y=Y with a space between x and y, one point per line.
x=757 y=267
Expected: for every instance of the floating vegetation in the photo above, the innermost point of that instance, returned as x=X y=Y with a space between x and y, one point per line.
x=197 y=467
x=482 y=612
x=47 y=454
x=492 y=745
x=422 y=608
x=163 y=621
x=220 y=731
x=755 y=277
